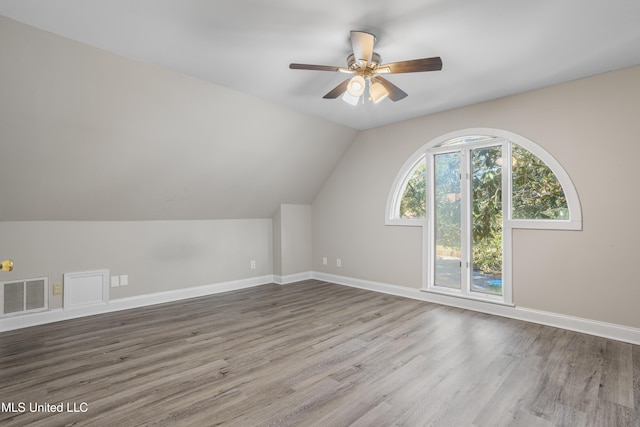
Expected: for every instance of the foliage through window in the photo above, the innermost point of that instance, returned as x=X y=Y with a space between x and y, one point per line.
x=414 y=199
x=467 y=191
x=486 y=167
x=537 y=193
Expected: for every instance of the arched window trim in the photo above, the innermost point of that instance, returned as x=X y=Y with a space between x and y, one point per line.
x=574 y=222
x=397 y=191
x=392 y=216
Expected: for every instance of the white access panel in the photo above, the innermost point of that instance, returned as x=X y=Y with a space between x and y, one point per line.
x=86 y=288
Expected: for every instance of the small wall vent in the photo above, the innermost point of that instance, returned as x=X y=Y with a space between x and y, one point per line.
x=24 y=296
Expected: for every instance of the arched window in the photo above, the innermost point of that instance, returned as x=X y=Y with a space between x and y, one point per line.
x=413 y=202
x=468 y=190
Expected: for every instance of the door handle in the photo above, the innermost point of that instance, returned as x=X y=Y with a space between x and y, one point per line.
x=7 y=265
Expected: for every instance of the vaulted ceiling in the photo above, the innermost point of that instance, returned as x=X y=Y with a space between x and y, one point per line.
x=490 y=48
x=186 y=109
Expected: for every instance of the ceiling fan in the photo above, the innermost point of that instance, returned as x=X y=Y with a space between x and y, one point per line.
x=365 y=65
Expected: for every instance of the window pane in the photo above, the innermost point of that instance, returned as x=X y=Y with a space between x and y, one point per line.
x=537 y=193
x=414 y=199
x=486 y=239
x=448 y=220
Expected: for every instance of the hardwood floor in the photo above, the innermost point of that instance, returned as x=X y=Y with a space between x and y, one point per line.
x=314 y=354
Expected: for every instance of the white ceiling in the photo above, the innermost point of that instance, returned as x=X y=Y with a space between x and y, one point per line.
x=489 y=48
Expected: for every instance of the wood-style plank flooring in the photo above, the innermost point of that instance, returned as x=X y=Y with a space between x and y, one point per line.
x=315 y=354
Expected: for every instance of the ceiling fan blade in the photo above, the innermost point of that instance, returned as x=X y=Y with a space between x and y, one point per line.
x=314 y=67
x=362 y=45
x=395 y=93
x=413 y=66
x=338 y=90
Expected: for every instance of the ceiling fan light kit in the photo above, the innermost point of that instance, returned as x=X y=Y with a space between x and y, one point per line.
x=356 y=85
x=350 y=99
x=377 y=92
x=366 y=66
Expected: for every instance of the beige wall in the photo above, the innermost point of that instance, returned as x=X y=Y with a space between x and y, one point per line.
x=296 y=239
x=292 y=240
x=277 y=242
x=112 y=163
x=589 y=126
x=89 y=135
x=157 y=255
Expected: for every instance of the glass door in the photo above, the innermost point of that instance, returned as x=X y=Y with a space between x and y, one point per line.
x=486 y=220
x=466 y=210
x=448 y=220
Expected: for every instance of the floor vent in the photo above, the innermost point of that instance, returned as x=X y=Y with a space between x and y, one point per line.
x=23 y=296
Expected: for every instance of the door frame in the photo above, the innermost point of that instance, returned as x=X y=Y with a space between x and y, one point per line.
x=466 y=267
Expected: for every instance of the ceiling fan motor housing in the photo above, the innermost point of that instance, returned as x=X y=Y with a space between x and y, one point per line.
x=363 y=68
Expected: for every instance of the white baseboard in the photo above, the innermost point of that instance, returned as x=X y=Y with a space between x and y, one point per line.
x=292 y=278
x=577 y=324
x=587 y=326
x=57 y=315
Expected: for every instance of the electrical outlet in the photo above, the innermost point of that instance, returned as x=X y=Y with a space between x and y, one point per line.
x=57 y=288
x=115 y=281
x=253 y=264
x=324 y=260
x=124 y=280
x=338 y=262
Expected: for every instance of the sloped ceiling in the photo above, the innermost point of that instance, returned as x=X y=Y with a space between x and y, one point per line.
x=186 y=109
x=89 y=135
x=490 y=48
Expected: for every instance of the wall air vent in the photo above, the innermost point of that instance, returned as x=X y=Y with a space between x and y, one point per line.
x=24 y=296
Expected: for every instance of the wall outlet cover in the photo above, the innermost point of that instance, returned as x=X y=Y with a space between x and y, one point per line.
x=115 y=281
